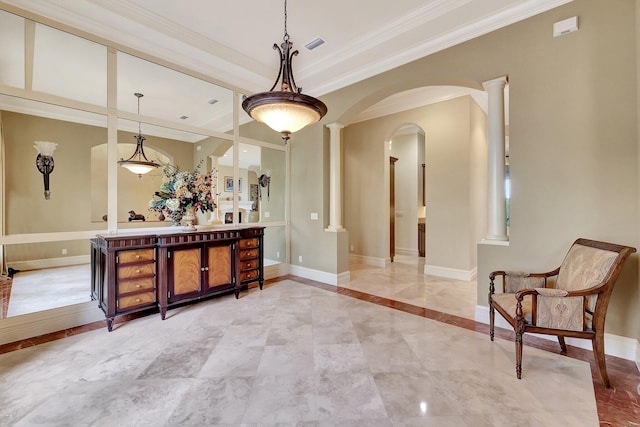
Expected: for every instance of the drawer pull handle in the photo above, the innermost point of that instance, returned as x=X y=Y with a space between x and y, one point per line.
x=138 y=285
x=138 y=271
x=137 y=256
x=137 y=299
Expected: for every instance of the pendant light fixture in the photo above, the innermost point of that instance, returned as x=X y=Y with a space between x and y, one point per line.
x=286 y=110
x=138 y=162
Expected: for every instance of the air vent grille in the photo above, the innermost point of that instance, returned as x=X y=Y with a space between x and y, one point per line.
x=314 y=43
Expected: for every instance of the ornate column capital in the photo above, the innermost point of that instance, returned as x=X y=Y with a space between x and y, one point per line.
x=499 y=82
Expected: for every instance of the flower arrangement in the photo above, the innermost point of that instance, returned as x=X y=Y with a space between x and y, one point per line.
x=182 y=190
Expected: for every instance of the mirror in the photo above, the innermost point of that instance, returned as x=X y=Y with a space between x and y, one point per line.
x=172 y=96
x=76 y=133
x=185 y=120
x=163 y=146
x=13 y=50
x=275 y=245
x=46 y=275
x=260 y=183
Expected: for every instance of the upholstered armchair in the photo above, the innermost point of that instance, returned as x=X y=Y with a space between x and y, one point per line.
x=570 y=301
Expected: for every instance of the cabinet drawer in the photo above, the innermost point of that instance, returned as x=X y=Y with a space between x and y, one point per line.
x=248 y=275
x=125 y=257
x=145 y=298
x=248 y=253
x=248 y=265
x=127 y=286
x=248 y=243
x=136 y=271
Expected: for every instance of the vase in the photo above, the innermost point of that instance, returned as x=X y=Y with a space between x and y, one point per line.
x=189 y=218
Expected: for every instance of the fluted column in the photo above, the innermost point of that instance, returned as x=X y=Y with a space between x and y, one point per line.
x=496 y=201
x=335 y=179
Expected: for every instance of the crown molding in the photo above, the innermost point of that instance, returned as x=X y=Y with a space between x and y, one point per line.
x=478 y=28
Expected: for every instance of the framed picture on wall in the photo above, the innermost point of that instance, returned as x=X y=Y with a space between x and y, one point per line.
x=228 y=184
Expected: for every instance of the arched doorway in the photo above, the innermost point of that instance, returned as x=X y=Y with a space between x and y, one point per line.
x=455 y=176
x=406 y=188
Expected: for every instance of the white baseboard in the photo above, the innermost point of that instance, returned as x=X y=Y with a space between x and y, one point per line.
x=614 y=345
x=320 y=276
x=276 y=270
x=36 y=264
x=406 y=251
x=450 y=273
x=43 y=322
x=367 y=260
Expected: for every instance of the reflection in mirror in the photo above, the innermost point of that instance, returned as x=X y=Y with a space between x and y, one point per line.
x=76 y=132
x=275 y=245
x=68 y=66
x=260 y=184
x=162 y=145
x=212 y=153
x=12 y=36
x=173 y=96
x=45 y=275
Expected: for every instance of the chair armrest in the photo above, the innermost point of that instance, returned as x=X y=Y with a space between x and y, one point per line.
x=504 y=273
x=551 y=292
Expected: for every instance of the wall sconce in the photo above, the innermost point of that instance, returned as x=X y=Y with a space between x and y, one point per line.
x=44 y=162
x=265 y=181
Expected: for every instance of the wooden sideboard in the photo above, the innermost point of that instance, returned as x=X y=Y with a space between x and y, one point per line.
x=133 y=273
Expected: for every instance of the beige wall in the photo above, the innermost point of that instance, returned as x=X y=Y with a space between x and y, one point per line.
x=478 y=178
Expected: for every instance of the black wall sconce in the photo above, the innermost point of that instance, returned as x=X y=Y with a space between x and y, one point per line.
x=265 y=181
x=45 y=163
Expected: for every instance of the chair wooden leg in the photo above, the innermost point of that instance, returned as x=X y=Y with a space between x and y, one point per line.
x=519 y=355
x=492 y=316
x=563 y=346
x=598 y=354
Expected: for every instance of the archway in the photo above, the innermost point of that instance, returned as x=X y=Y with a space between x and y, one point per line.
x=455 y=199
x=407 y=147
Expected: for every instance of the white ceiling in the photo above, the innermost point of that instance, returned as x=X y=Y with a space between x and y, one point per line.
x=231 y=41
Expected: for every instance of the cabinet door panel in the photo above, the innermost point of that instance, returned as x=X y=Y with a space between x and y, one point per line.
x=219 y=265
x=186 y=271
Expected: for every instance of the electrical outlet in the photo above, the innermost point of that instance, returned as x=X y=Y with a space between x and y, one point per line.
x=64 y=252
x=314 y=216
x=300 y=258
x=352 y=248
x=267 y=214
x=278 y=255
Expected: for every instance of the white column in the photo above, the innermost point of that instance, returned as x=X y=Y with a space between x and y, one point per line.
x=496 y=202
x=335 y=180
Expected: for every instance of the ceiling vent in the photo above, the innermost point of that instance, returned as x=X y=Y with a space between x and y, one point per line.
x=314 y=43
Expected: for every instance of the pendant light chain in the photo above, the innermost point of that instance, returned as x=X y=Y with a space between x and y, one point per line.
x=139 y=95
x=286 y=34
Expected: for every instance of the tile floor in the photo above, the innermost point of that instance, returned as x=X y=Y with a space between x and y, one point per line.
x=295 y=354
x=38 y=290
x=289 y=355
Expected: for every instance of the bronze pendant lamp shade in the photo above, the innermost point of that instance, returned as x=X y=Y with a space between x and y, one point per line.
x=286 y=110
x=138 y=162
